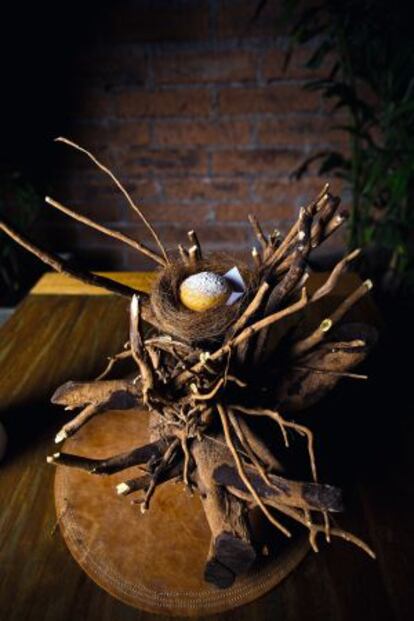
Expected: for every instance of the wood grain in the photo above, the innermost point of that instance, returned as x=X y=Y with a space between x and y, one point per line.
x=147 y=564
x=54 y=337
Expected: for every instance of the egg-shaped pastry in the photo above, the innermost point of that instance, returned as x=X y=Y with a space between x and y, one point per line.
x=204 y=291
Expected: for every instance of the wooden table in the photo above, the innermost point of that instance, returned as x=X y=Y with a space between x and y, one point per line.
x=61 y=331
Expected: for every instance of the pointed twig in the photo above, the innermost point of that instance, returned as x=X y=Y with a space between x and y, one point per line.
x=183 y=254
x=260 y=236
x=246 y=334
x=242 y=473
x=63 y=267
x=192 y=236
x=250 y=310
x=119 y=185
x=334 y=276
x=304 y=345
x=103 y=229
x=138 y=350
x=284 y=424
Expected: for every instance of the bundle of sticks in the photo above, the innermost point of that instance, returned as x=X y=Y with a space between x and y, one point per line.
x=205 y=396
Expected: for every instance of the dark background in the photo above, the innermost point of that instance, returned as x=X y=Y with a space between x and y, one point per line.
x=187 y=101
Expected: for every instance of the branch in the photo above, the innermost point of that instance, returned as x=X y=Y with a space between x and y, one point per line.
x=122 y=189
x=103 y=229
x=138 y=350
x=114 y=464
x=63 y=267
x=319 y=334
x=246 y=334
x=335 y=275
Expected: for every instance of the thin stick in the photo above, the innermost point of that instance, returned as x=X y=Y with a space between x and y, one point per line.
x=258 y=231
x=111 y=362
x=103 y=229
x=76 y=423
x=184 y=446
x=196 y=396
x=247 y=333
x=319 y=528
x=61 y=266
x=312 y=208
x=193 y=256
x=183 y=254
x=121 y=188
x=251 y=308
x=283 y=423
x=192 y=236
x=247 y=447
x=240 y=469
x=138 y=351
x=256 y=257
x=357 y=376
x=304 y=345
x=334 y=276
x=157 y=473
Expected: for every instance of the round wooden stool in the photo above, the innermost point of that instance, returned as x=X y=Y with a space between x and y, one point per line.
x=153 y=561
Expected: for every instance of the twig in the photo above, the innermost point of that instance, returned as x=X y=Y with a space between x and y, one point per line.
x=63 y=267
x=183 y=254
x=304 y=345
x=76 y=423
x=246 y=334
x=119 y=185
x=283 y=424
x=239 y=464
x=111 y=362
x=103 y=229
x=258 y=231
x=192 y=236
x=158 y=472
x=358 y=376
x=247 y=447
x=251 y=309
x=334 y=276
x=138 y=350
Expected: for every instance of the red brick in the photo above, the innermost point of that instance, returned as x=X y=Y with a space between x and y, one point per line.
x=264 y=211
x=208 y=133
x=205 y=189
x=193 y=67
x=177 y=213
x=290 y=193
x=281 y=98
x=237 y=19
x=274 y=62
x=94 y=136
x=260 y=161
x=191 y=102
x=98 y=198
x=140 y=161
x=212 y=235
x=149 y=21
x=304 y=131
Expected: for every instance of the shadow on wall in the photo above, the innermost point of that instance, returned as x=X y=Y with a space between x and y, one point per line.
x=187 y=101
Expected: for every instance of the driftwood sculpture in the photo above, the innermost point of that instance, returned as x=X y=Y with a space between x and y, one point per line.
x=206 y=377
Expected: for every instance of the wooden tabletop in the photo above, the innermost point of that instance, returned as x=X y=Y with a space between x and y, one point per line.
x=62 y=331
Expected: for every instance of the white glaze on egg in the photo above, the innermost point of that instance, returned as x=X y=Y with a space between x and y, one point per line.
x=203 y=291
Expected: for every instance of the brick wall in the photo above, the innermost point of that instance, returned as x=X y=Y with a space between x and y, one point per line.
x=188 y=102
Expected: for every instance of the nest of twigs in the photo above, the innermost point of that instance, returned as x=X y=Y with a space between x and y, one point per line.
x=175 y=319
x=206 y=378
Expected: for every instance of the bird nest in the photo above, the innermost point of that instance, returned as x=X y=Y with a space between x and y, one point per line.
x=175 y=319
x=207 y=378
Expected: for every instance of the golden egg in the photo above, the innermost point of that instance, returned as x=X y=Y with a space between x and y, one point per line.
x=204 y=291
